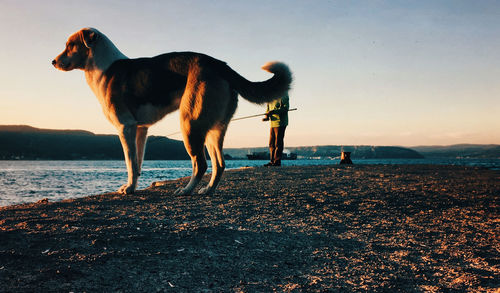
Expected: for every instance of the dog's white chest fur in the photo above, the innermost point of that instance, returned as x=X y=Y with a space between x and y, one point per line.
x=96 y=83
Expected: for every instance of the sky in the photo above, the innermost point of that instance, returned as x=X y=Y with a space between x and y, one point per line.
x=403 y=73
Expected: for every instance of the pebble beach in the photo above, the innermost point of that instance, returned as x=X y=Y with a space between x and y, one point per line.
x=376 y=228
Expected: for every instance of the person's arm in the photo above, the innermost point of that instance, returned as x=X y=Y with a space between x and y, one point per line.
x=268 y=114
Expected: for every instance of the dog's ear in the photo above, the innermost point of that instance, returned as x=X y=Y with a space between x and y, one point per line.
x=89 y=37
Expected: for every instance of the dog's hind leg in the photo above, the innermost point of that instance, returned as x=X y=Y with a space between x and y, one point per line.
x=195 y=147
x=214 y=142
x=215 y=138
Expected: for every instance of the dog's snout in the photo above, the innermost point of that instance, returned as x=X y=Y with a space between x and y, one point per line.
x=54 y=62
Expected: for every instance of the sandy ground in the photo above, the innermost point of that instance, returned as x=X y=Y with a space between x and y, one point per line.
x=314 y=229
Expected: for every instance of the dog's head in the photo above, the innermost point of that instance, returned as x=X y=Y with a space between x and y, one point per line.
x=78 y=51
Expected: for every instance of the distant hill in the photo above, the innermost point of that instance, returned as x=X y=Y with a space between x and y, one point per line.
x=29 y=143
x=475 y=151
x=21 y=142
x=333 y=151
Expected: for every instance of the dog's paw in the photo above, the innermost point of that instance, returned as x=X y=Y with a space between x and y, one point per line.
x=182 y=191
x=207 y=190
x=127 y=189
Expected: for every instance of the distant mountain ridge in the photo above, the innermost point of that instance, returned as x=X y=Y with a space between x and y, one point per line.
x=28 y=129
x=476 y=151
x=334 y=151
x=22 y=142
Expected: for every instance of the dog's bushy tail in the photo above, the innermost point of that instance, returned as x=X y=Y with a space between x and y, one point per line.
x=263 y=91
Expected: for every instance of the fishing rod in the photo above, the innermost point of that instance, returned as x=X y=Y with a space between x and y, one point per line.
x=239 y=118
x=257 y=115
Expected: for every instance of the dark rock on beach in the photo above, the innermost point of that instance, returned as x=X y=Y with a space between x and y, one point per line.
x=316 y=228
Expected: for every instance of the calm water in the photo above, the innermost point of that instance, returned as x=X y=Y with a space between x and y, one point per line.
x=30 y=181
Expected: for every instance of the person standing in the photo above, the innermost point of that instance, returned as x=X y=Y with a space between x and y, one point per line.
x=277 y=113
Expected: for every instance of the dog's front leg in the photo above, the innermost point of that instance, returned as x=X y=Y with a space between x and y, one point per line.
x=141 y=138
x=127 y=135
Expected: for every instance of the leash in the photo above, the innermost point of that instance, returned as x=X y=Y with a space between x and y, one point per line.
x=239 y=118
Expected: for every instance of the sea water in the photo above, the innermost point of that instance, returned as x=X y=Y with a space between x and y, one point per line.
x=31 y=181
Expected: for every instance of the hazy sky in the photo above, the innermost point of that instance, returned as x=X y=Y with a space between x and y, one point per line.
x=366 y=72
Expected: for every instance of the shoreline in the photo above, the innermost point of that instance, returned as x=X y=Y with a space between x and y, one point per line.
x=306 y=228
x=31 y=181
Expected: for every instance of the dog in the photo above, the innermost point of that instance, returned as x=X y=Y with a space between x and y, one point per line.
x=136 y=93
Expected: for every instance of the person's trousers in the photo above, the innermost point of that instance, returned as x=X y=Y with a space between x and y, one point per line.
x=276 y=144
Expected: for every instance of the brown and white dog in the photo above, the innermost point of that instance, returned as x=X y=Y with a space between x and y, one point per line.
x=136 y=93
